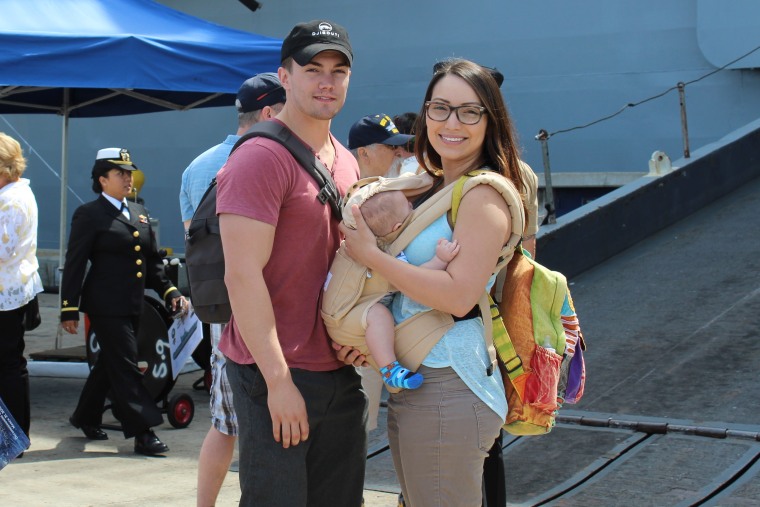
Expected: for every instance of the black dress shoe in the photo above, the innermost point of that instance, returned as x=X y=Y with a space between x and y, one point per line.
x=91 y=432
x=147 y=443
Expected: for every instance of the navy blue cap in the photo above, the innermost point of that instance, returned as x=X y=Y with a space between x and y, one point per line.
x=259 y=91
x=376 y=129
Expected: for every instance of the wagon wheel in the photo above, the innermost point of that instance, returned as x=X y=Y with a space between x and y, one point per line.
x=180 y=411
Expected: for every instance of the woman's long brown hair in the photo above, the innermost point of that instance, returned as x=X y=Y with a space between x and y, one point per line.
x=500 y=149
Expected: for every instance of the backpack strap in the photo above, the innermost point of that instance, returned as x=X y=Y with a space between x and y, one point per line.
x=502 y=344
x=276 y=131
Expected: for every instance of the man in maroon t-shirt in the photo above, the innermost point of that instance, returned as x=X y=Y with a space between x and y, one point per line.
x=301 y=410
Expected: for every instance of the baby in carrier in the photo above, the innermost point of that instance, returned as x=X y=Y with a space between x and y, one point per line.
x=385 y=213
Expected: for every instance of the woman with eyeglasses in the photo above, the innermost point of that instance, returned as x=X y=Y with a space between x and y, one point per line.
x=440 y=434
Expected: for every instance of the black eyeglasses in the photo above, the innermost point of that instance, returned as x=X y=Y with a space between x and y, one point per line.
x=468 y=115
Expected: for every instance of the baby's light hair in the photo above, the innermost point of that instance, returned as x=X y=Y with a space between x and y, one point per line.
x=380 y=213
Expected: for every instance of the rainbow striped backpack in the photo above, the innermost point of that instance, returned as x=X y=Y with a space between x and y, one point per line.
x=539 y=343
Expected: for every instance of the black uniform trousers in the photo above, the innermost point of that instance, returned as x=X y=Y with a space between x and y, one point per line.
x=494 y=479
x=116 y=370
x=14 y=377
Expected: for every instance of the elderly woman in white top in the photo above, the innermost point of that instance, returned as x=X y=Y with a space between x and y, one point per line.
x=19 y=280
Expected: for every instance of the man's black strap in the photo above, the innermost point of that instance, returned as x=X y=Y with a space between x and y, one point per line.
x=328 y=191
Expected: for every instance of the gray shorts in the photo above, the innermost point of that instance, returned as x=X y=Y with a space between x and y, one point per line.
x=223 y=416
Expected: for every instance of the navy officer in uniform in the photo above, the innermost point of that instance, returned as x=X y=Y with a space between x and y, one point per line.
x=115 y=235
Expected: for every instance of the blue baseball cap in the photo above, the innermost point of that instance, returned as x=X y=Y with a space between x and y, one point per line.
x=258 y=92
x=376 y=129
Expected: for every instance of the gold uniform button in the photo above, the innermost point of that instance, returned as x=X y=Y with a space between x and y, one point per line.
x=136 y=234
x=139 y=275
x=138 y=262
x=137 y=248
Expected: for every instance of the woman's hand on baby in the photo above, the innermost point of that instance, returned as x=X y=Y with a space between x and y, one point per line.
x=360 y=242
x=446 y=250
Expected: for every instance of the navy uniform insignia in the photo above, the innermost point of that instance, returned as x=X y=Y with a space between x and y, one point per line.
x=143 y=219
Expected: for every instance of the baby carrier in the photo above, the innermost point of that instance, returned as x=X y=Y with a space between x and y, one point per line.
x=351 y=289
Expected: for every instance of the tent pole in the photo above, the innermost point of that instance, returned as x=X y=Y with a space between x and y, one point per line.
x=64 y=194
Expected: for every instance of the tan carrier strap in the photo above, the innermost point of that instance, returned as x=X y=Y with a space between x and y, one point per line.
x=411 y=184
x=439 y=204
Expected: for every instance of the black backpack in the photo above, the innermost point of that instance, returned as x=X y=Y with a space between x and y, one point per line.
x=203 y=244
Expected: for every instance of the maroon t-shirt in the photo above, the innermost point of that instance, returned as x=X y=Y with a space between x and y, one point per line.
x=262 y=181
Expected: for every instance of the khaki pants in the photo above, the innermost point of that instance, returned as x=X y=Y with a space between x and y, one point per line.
x=440 y=435
x=372 y=383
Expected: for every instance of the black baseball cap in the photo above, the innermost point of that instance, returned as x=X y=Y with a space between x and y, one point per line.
x=308 y=39
x=376 y=129
x=258 y=92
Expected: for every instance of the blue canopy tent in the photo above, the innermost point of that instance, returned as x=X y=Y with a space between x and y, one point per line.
x=120 y=57
x=91 y=58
